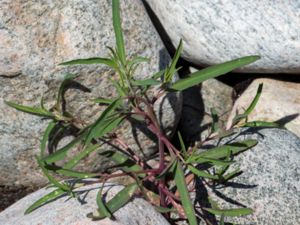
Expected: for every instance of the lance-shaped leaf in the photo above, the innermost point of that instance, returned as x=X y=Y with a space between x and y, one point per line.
x=46 y=136
x=68 y=172
x=105 y=61
x=164 y=210
x=261 y=124
x=182 y=145
x=75 y=160
x=146 y=82
x=51 y=179
x=172 y=69
x=31 y=110
x=222 y=151
x=98 y=128
x=211 y=72
x=184 y=195
x=250 y=108
x=118 y=30
x=201 y=173
x=102 y=208
x=47 y=198
x=230 y=212
x=123 y=161
x=118 y=201
x=215 y=120
x=62 y=152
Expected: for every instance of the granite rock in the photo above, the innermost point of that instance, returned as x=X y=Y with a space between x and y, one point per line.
x=270 y=182
x=218 y=31
x=196 y=118
x=70 y=211
x=37 y=35
x=279 y=101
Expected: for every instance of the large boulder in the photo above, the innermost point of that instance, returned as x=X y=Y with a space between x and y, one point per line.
x=218 y=31
x=279 y=101
x=66 y=210
x=37 y=35
x=270 y=182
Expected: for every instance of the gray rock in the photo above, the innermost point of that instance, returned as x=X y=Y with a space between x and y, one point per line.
x=270 y=182
x=37 y=35
x=196 y=120
x=218 y=31
x=66 y=210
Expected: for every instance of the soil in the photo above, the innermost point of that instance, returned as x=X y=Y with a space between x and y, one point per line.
x=9 y=194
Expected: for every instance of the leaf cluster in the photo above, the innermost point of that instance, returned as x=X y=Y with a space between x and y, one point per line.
x=172 y=179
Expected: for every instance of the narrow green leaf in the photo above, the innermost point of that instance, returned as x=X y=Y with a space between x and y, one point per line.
x=201 y=173
x=215 y=162
x=68 y=172
x=211 y=72
x=164 y=210
x=118 y=201
x=172 y=69
x=232 y=174
x=47 y=198
x=51 y=179
x=105 y=61
x=126 y=164
x=102 y=208
x=118 y=30
x=230 y=212
x=158 y=74
x=215 y=120
x=68 y=77
x=184 y=195
x=255 y=100
x=222 y=151
x=182 y=145
x=169 y=169
x=103 y=128
x=146 y=82
x=121 y=91
x=45 y=138
x=97 y=128
x=62 y=152
x=31 y=110
x=250 y=108
x=75 y=160
x=137 y=60
x=261 y=124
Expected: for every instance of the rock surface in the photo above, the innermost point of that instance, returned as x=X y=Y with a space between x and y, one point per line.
x=196 y=109
x=218 y=31
x=270 y=183
x=69 y=211
x=37 y=35
x=279 y=101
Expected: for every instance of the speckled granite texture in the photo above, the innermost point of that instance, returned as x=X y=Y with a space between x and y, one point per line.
x=270 y=184
x=37 y=35
x=215 y=31
x=69 y=211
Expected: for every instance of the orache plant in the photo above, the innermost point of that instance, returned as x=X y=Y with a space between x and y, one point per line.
x=172 y=179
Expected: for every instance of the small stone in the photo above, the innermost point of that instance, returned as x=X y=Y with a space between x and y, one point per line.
x=279 y=101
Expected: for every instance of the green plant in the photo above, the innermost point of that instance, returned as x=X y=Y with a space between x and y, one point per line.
x=172 y=178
